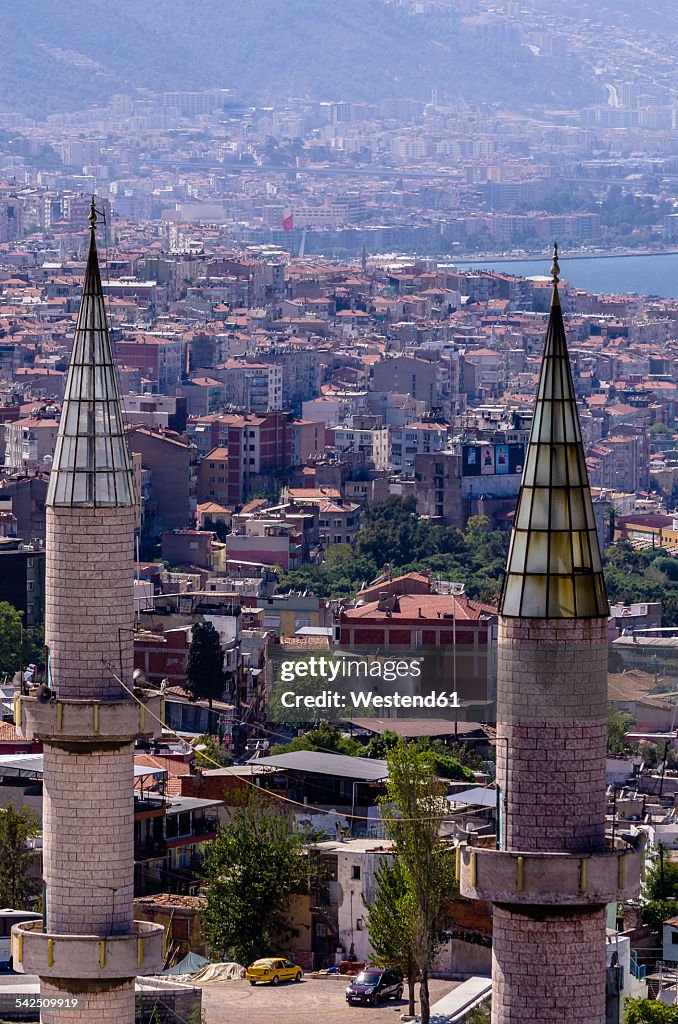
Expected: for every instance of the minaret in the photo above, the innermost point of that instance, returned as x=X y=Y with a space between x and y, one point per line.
x=89 y=949
x=550 y=873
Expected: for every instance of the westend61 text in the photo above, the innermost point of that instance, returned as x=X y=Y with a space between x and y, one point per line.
x=334 y=699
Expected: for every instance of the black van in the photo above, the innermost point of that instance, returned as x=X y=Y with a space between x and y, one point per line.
x=374 y=984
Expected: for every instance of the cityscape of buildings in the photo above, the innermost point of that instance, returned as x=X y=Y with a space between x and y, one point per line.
x=255 y=393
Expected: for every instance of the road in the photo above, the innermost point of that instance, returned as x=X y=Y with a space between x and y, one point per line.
x=312 y=1001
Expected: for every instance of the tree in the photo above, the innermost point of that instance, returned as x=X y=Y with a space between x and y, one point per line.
x=413 y=811
x=325 y=737
x=618 y=724
x=205 y=678
x=18 y=646
x=390 y=922
x=660 y=891
x=661 y=880
x=17 y=886
x=214 y=751
x=649 y=1011
x=252 y=866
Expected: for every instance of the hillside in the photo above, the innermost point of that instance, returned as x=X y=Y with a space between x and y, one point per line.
x=67 y=56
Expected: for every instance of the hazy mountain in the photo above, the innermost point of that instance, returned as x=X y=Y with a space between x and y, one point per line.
x=74 y=54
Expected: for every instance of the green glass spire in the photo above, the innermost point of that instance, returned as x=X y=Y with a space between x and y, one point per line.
x=554 y=568
x=91 y=466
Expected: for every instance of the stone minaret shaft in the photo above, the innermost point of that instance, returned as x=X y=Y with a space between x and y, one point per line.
x=550 y=875
x=90 y=948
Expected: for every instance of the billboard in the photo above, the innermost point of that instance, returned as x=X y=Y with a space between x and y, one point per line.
x=491 y=459
x=501 y=458
x=487 y=459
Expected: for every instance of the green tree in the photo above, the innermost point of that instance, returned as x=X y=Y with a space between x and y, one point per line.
x=618 y=724
x=379 y=745
x=18 y=646
x=413 y=810
x=252 y=866
x=660 y=891
x=205 y=679
x=18 y=887
x=214 y=751
x=391 y=922
x=457 y=762
x=325 y=737
x=649 y=1011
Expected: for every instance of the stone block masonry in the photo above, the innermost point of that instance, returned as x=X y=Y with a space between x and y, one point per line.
x=552 y=734
x=108 y=1004
x=548 y=966
x=88 y=821
x=89 y=602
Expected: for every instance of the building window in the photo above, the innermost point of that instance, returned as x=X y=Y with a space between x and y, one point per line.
x=355 y=872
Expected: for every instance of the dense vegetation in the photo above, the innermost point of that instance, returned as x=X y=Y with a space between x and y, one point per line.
x=65 y=56
x=18 y=646
x=392 y=534
x=647 y=575
x=649 y=1011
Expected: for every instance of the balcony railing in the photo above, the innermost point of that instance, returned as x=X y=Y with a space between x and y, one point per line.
x=150 y=849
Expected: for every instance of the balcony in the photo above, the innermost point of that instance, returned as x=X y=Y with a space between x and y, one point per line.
x=84 y=721
x=35 y=951
x=149 y=849
x=559 y=879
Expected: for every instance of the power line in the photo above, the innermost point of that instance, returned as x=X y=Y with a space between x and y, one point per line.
x=289 y=800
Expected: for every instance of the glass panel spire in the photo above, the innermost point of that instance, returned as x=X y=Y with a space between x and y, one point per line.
x=554 y=569
x=91 y=466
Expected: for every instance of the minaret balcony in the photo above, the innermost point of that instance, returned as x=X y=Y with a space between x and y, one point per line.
x=558 y=879
x=90 y=721
x=86 y=957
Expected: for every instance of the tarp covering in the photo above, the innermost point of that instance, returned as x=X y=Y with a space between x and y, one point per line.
x=191 y=964
x=219 y=972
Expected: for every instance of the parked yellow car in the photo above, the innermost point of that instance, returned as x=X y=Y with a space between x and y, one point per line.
x=273 y=969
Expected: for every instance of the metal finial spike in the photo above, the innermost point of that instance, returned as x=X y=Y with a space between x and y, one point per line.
x=92 y=215
x=555 y=266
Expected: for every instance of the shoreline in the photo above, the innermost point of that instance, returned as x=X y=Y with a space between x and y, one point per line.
x=546 y=257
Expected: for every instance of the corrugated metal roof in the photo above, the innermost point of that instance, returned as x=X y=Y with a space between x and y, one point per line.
x=479 y=797
x=315 y=761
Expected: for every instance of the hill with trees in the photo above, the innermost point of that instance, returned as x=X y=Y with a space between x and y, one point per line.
x=69 y=56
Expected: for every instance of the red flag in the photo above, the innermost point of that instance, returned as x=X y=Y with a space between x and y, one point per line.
x=288 y=223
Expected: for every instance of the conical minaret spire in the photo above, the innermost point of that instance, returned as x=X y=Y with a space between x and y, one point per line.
x=91 y=464
x=554 y=568
x=89 y=947
x=553 y=872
